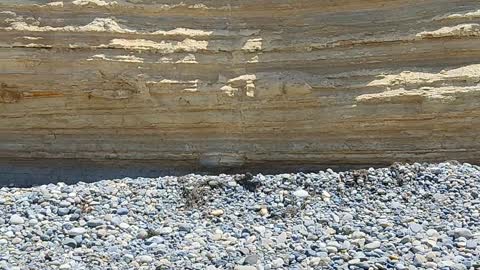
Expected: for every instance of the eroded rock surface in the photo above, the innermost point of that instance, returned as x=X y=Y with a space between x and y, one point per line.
x=232 y=83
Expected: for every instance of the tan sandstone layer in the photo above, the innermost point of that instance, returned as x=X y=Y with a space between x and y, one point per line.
x=236 y=83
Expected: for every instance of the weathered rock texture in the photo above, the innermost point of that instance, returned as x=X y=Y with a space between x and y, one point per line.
x=232 y=83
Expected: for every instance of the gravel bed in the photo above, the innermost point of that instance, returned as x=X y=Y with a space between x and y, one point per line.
x=406 y=216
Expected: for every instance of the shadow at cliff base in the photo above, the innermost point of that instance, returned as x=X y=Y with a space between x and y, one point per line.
x=32 y=172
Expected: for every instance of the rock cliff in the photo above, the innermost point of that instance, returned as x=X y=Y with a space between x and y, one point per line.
x=222 y=83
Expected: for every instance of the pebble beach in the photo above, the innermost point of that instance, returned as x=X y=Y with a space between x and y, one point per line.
x=406 y=216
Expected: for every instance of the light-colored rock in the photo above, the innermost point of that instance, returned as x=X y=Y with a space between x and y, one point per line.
x=263 y=211
x=462 y=232
x=372 y=245
x=65 y=266
x=16 y=220
x=217 y=212
x=300 y=193
x=144 y=259
x=224 y=83
x=244 y=267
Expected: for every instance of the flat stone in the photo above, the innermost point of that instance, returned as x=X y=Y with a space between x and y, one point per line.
x=278 y=263
x=144 y=259
x=95 y=223
x=77 y=231
x=63 y=211
x=16 y=220
x=166 y=230
x=251 y=259
x=260 y=229
x=142 y=234
x=446 y=263
x=16 y=240
x=214 y=183
x=462 y=232
x=300 y=193
x=432 y=233
x=217 y=212
x=78 y=239
x=69 y=242
x=65 y=266
x=263 y=212
x=373 y=245
x=102 y=233
x=124 y=226
x=419 y=259
x=161 y=231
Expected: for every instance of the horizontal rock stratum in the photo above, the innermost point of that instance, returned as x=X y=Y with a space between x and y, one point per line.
x=235 y=83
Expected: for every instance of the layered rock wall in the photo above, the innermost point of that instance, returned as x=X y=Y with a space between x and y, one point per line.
x=236 y=83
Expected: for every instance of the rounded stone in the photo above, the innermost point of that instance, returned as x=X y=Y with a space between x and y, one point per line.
x=300 y=193
x=122 y=211
x=77 y=231
x=95 y=223
x=63 y=211
x=217 y=212
x=415 y=227
x=373 y=245
x=144 y=259
x=16 y=220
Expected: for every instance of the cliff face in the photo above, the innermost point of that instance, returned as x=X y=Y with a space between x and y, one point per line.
x=232 y=83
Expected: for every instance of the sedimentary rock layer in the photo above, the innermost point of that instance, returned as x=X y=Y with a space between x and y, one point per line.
x=234 y=83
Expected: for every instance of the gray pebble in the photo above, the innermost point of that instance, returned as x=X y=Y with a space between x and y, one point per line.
x=373 y=245
x=403 y=216
x=122 y=211
x=69 y=242
x=300 y=193
x=415 y=227
x=77 y=231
